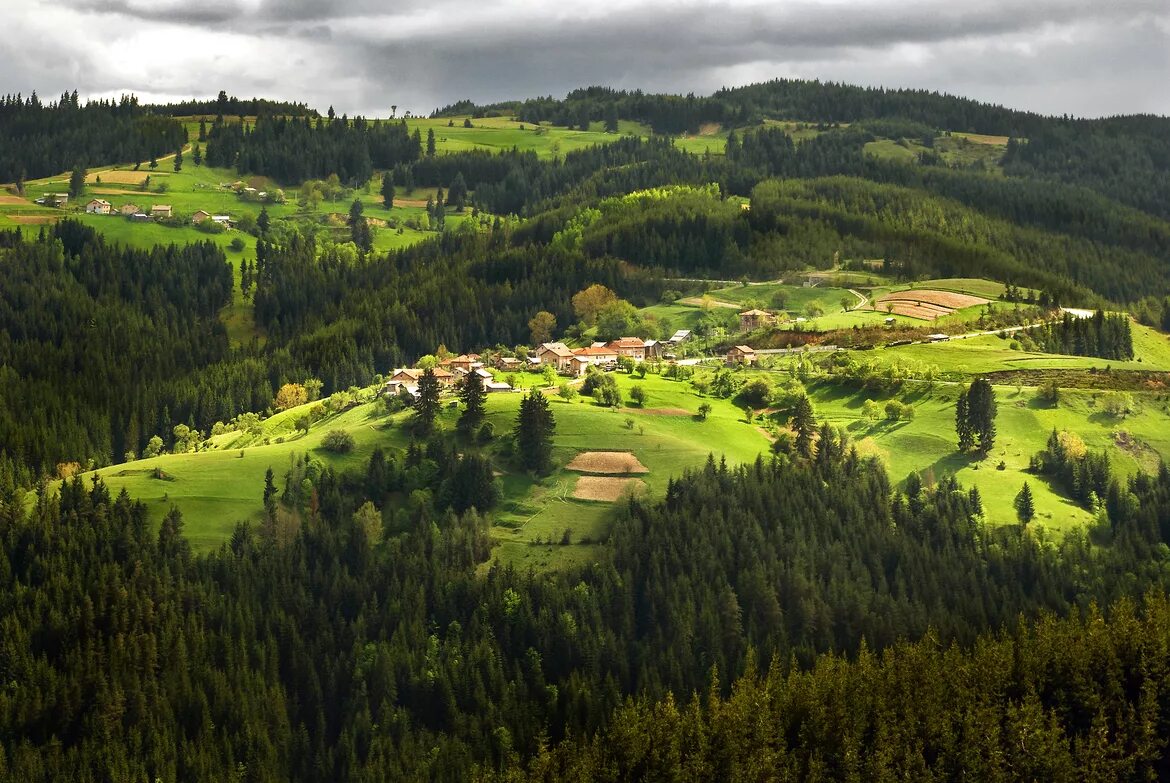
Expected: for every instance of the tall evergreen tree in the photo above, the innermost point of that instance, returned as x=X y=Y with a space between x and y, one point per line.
x=805 y=424
x=534 y=430
x=388 y=190
x=963 y=423
x=981 y=411
x=1025 y=505
x=426 y=407
x=179 y=159
x=263 y=221
x=472 y=395
x=197 y=155
x=77 y=180
x=430 y=142
x=202 y=129
x=457 y=193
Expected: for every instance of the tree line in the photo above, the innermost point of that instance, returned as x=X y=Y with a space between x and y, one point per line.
x=43 y=139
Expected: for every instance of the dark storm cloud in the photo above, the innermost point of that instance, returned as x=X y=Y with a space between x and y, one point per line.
x=1076 y=56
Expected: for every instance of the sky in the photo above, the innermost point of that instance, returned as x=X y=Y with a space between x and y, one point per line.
x=1080 y=57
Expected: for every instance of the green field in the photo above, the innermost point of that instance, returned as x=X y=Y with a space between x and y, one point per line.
x=503 y=133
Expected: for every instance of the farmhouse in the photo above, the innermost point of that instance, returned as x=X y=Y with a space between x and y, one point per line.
x=200 y=216
x=556 y=354
x=129 y=209
x=750 y=320
x=99 y=207
x=741 y=354
x=464 y=363
x=496 y=386
x=584 y=358
x=411 y=376
x=56 y=199
x=508 y=363
x=633 y=347
x=395 y=388
x=655 y=349
x=160 y=210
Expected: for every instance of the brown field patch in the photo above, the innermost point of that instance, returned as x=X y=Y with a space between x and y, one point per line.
x=409 y=202
x=709 y=128
x=117 y=192
x=607 y=489
x=607 y=463
x=7 y=198
x=662 y=411
x=981 y=138
x=34 y=220
x=925 y=303
x=118 y=177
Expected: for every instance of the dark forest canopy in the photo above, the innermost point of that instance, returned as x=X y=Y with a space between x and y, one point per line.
x=362 y=643
x=292 y=150
x=42 y=139
x=226 y=105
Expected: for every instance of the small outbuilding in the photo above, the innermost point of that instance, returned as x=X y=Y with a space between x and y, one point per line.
x=741 y=354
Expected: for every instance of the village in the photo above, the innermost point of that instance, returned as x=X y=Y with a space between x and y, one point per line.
x=549 y=358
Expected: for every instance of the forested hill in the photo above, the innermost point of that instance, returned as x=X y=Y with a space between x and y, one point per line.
x=225 y=105
x=1125 y=158
x=363 y=650
x=40 y=140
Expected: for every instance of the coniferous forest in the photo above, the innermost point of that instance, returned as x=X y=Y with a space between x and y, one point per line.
x=806 y=616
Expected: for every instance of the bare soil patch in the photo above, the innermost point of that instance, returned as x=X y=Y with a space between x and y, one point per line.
x=7 y=198
x=118 y=177
x=118 y=192
x=606 y=488
x=34 y=220
x=662 y=411
x=926 y=304
x=607 y=463
x=709 y=128
x=409 y=202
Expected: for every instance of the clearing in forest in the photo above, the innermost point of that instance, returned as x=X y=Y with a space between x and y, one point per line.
x=607 y=488
x=607 y=463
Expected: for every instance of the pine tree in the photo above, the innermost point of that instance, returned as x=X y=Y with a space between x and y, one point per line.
x=1025 y=505
x=534 y=429
x=457 y=194
x=197 y=155
x=179 y=159
x=263 y=221
x=202 y=129
x=472 y=395
x=981 y=412
x=426 y=407
x=963 y=423
x=387 y=190
x=430 y=142
x=77 y=180
x=269 y=494
x=805 y=424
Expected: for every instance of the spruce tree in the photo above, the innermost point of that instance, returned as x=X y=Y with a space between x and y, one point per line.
x=805 y=425
x=534 y=429
x=197 y=155
x=179 y=159
x=387 y=190
x=981 y=413
x=77 y=180
x=1025 y=505
x=263 y=221
x=430 y=142
x=472 y=395
x=457 y=194
x=963 y=423
x=426 y=407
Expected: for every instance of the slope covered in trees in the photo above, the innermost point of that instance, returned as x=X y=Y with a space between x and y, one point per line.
x=40 y=140
x=365 y=644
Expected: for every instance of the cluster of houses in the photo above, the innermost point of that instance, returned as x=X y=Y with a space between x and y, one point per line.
x=574 y=362
x=99 y=206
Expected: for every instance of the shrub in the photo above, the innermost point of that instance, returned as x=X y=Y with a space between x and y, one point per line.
x=486 y=432
x=638 y=396
x=237 y=244
x=704 y=411
x=337 y=441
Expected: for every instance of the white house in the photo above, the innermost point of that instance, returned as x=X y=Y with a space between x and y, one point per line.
x=99 y=207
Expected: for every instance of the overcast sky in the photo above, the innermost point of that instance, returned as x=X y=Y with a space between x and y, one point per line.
x=1082 y=57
